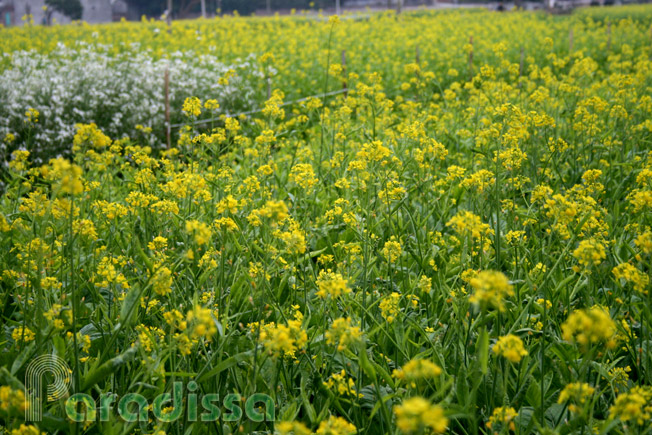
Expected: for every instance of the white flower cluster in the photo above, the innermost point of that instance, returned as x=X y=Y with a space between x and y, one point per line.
x=117 y=92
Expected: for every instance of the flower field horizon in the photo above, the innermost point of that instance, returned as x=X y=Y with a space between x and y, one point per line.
x=432 y=222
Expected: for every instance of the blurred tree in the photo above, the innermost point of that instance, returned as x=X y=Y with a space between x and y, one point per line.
x=150 y=8
x=73 y=9
x=185 y=8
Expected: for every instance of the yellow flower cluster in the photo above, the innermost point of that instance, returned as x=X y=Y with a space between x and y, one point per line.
x=22 y=334
x=199 y=231
x=336 y=426
x=343 y=334
x=590 y=327
x=590 y=253
x=576 y=394
x=417 y=370
x=283 y=340
x=632 y=275
x=392 y=250
x=417 y=414
x=88 y=136
x=192 y=106
x=502 y=416
x=342 y=385
x=467 y=224
x=11 y=401
x=66 y=176
x=389 y=306
x=201 y=323
x=635 y=406
x=303 y=175
x=511 y=347
x=331 y=284
x=490 y=288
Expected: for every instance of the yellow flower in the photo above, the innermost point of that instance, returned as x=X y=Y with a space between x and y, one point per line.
x=480 y=180
x=162 y=281
x=631 y=274
x=192 y=106
x=89 y=136
x=19 y=160
x=149 y=337
x=303 y=175
x=490 y=289
x=635 y=406
x=644 y=242
x=229 y=203
x=12 y=401
x=225 y=223
x=590 y=253
x=292 y=428
x=504 y=416
x=511 y=347
x=201 y=323
x=174 y=318
x=26 y=430
x=590 y=327
x=67 y=177
x=211 y=105
x=577 y=393
x=158 y=243
x=417 y=370
x=392 y=250
x=111 y=210
x=85 y=228
x=9 y=138
x=417 y=414
x=515 y=237
x=466 y=223
x=336 y=426
x=284 y=340
x=331 y=284
x=424 y=284
x=294 y=239
x=32 y=115
x=343 y=334
x=272 y=107
x=23 y=334
x=341 y=385
x=107 y=273
x=389 y=308
x=199 y=230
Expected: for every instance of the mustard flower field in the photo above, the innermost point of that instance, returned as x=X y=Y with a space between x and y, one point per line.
x=453 y=236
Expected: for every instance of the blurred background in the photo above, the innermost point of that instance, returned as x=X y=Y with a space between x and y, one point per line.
x=17 y=12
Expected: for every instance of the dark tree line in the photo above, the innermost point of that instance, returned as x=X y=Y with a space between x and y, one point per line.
x=184 y=8
x=73 y=9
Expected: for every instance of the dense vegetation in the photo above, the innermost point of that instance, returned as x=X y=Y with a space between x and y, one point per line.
x=460 y=243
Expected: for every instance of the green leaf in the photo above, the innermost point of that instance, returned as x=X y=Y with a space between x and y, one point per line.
x=11 y=380
x=111 y=366
x=310 y=410
x=225 y=365
x=366 y=364
x=22 y=358
x=130 y=306
x=533 y=394
x=483 y=350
